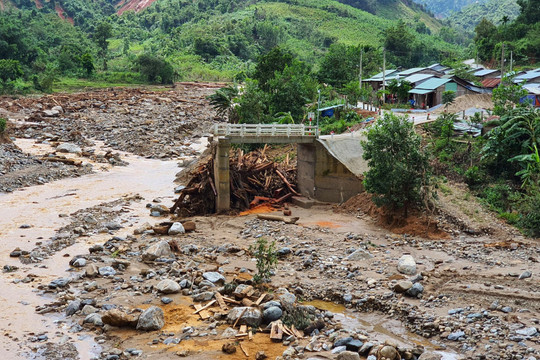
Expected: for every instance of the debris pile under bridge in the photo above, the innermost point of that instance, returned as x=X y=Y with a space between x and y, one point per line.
x=255 y=179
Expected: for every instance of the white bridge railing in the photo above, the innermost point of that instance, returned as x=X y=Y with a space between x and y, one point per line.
x=260 y=130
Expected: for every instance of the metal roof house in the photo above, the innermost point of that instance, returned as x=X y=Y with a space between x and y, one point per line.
x=534 y=94
x=486 y=74
x=429 y=93
x=376 y=80
x=530 y=77
x=418 y=79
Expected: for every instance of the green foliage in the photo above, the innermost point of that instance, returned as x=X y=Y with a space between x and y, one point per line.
x=398 y=168
x=266 y=255
x=507 y=96
x=223 y=101
x=87 y=63
x=474 y=176
x=347 y=120
x=400 y=88
x=448 y=98
x=10 y=70
x=529 y=209
x=268 y=64
x=155 y=69
x=3 y=123
x=253 y=104
x=498 y=197
x=101 y=35
x=495 y=11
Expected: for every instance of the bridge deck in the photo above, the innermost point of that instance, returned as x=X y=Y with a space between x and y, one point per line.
x=267 y=133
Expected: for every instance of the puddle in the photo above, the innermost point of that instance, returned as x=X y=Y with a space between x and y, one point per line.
x=39 y=207
x=379 y=326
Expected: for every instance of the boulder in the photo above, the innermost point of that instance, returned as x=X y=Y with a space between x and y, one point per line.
x=151 y=319
x=359 y=254
x=94 y=318
x=69 y=148
x=407 y=265
x=176 y=229
x=348 y=355
x=168 y=286
x=271 y=314
x=213 y=277
x=403 y=286
x=430 y=356
x=251 y=316
x=161 y=249
x=119 y=318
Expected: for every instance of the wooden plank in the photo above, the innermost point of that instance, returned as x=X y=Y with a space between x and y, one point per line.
x=276 y=333
x=286 y=329
x=297 y=334
x=244 y=350
x=241 y=314
x=205 y=306
x=260 y=299
x=250 y=335
x=246 y=291
x=220 y=301
x=231 y=301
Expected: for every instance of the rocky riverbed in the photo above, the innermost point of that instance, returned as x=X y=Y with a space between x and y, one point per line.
x=89 y=272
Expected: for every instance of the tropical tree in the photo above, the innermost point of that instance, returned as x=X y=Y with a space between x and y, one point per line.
x=101 y=35
x=223 y=101
x=398 y=168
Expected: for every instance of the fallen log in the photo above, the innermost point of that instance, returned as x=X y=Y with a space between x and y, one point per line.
x=64 y=160
x=285 y=219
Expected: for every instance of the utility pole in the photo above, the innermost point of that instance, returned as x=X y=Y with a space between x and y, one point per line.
x=384 y=73
x=502 y=60
x=361 y=60
x=511 y=61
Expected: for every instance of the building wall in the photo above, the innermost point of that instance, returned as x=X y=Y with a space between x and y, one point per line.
x=323 y=177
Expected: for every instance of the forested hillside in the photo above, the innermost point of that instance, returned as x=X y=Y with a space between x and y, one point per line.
x=201 y=40
x=496 y=11
x=443 y=8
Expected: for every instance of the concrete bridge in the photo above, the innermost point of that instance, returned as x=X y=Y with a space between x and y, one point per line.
x=329 y=167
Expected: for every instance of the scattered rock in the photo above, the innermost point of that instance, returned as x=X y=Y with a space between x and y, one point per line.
x=251 y=316
x=176 y=229
x=271 y=314
x=214 y=277
x=407 y=265
x=403 y=286
x=69 y=148
x=359 y=255
x=151 y=319
x=228 y=348
x=168 y=287
x=348 y=355
x=161 y=249
x=119 y=318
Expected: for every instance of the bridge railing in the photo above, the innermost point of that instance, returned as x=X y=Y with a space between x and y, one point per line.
x=261 y=130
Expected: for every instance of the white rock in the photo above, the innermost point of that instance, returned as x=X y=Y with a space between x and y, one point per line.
x=157 y=250
x=407 y=265
x=176 y=229
x=69 y=148
x=168 y=286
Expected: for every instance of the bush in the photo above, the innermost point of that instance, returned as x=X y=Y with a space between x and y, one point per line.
x=155 y=69
x=498 y=197
x=474 y=176
x=3 y=123
x=529 y=209
x=266 y=256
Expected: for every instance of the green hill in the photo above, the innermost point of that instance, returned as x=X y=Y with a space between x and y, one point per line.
x=493 y=10
x=211 y=39
x=443 y=8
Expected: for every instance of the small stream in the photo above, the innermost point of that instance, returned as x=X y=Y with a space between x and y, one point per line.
x=381 y=327
x=40 y=207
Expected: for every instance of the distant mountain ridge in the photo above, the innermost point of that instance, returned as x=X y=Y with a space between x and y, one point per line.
x=443 y=8
x=492 y=10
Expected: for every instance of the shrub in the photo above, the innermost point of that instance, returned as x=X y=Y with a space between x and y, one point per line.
x=266 y=256
x=3 y=123
x=474 y=176
x=155 y=69
x=529 y=209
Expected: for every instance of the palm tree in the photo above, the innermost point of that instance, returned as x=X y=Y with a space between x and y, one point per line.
x=223 y=101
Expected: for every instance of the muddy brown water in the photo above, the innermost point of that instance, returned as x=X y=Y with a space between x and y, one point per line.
x=39 y=207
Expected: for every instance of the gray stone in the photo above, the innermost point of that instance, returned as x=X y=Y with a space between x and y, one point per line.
x=455 y=311
x=348 y=355
x=407 y=265
x=359 y=254
x=531 y=331
x=161 y=249
x=69 y=148
x=80 y=262
x=59 y=283
x=94 y=318
x=456 y=335
x=366 y=348
x=342 y=341
x=251 y=316
x=213 y=277
x=507 y=309
x=88 y=309
x=168 y=286
x=107 y=271
x=151 y=319
x=176 y=229
x=204 y=296
x=166 y=300
x=403 y=286
x=51 y=113
x=185 y=283
x=287 y=300
x=269 y=304
x=284 y=251
x=271 y=314
x=339 y=349
x=57 y=108
x=73 y=307
x=525 y=275
x=229 y=333
x=415 y=290
x=354 y=345
x=430 y=356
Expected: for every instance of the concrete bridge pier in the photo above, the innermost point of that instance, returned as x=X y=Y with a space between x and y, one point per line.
x=221 y=175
